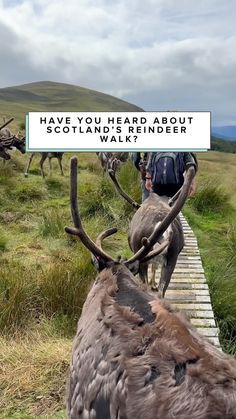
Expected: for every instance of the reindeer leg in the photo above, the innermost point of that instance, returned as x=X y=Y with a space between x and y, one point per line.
x=42 y=160
x=166 y=273
x=29 y=163
x=60 y=165
x=143 y=272
x=50 y=166
x=153 y=276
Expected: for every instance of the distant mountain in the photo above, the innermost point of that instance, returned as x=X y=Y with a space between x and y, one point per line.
x=50 y=96
x=227 y=132
x=225 y=146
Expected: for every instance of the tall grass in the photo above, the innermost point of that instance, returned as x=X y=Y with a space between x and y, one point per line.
x=52 y=224
x=19 y=296
x=213 y=218
x=211 y=197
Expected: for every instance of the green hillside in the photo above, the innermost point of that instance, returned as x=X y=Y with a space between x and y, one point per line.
x=223 y=145
x=50 y=96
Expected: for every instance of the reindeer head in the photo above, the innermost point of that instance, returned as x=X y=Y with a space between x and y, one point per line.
x=19 y=143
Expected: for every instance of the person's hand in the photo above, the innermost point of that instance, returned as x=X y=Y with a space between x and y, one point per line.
x=148 y=184
x=192 y=188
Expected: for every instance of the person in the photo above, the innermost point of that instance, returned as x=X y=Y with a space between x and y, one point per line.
x=140 y=162
x=165 y=172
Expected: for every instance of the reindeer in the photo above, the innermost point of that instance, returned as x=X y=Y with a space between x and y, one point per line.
x=136 y=357
x=8 y=140
x=14 y=141
x=147 y=218
x=112 y=161
x=45 y=156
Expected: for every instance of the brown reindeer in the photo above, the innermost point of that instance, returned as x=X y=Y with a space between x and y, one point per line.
x=14 y=141
x=147 y=219
x=45 y=156
x=8 y=140
x=134 y=356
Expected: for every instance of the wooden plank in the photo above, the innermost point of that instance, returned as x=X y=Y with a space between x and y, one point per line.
x=191 y=254
x=189 y=270
x=190 y=266
x=184 y=293
x=191 y=280
x=188 y=261
x=187 y=285
x=208 y=331
x=193 y=306
x=203 y=322
x=201 y=314
x=188 y=298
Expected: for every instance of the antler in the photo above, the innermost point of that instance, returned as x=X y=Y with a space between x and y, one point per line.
x=6 y=123
x=105 y=234
x=79 y=230
x=121 y=191
x=6 y=142
x=149 y=242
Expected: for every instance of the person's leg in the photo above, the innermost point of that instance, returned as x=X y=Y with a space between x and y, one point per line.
x=145 y=192
x=167 y=190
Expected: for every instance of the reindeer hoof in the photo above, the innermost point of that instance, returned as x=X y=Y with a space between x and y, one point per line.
x=26 y=174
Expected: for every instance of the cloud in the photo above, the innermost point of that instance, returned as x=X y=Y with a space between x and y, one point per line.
x=159 y=54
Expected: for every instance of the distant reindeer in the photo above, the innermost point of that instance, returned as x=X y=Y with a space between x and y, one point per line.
x=136 y=357
x=149 y=218
x=45 y=156
x=8 y=140
x=14 y=141
x=112 y=160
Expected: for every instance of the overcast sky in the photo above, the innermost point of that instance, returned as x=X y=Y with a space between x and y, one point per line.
x=158 y=54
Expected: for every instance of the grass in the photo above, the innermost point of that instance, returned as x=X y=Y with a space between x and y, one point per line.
x=45 y=274
x=212 y=214
x=34 y=374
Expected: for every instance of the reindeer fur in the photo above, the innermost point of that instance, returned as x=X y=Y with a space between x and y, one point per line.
x=145 y=220
x=134 y=357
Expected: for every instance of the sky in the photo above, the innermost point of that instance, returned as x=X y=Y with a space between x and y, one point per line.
x=158 y=54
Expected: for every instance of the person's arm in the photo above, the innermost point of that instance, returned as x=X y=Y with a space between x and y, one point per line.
x=136 y=160
x=190 y=159
x=149 y=172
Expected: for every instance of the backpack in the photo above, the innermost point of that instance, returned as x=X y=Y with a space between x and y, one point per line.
x=168 y=168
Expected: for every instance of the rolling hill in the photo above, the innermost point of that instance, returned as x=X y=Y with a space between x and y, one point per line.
x=223 y=145
x=46 y=95
x=227 y=132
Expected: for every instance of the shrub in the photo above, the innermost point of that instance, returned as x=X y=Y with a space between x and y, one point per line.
x=19 y=298
x=211 y=197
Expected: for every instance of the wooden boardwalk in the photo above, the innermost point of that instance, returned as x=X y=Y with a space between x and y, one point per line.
x=188 y=289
